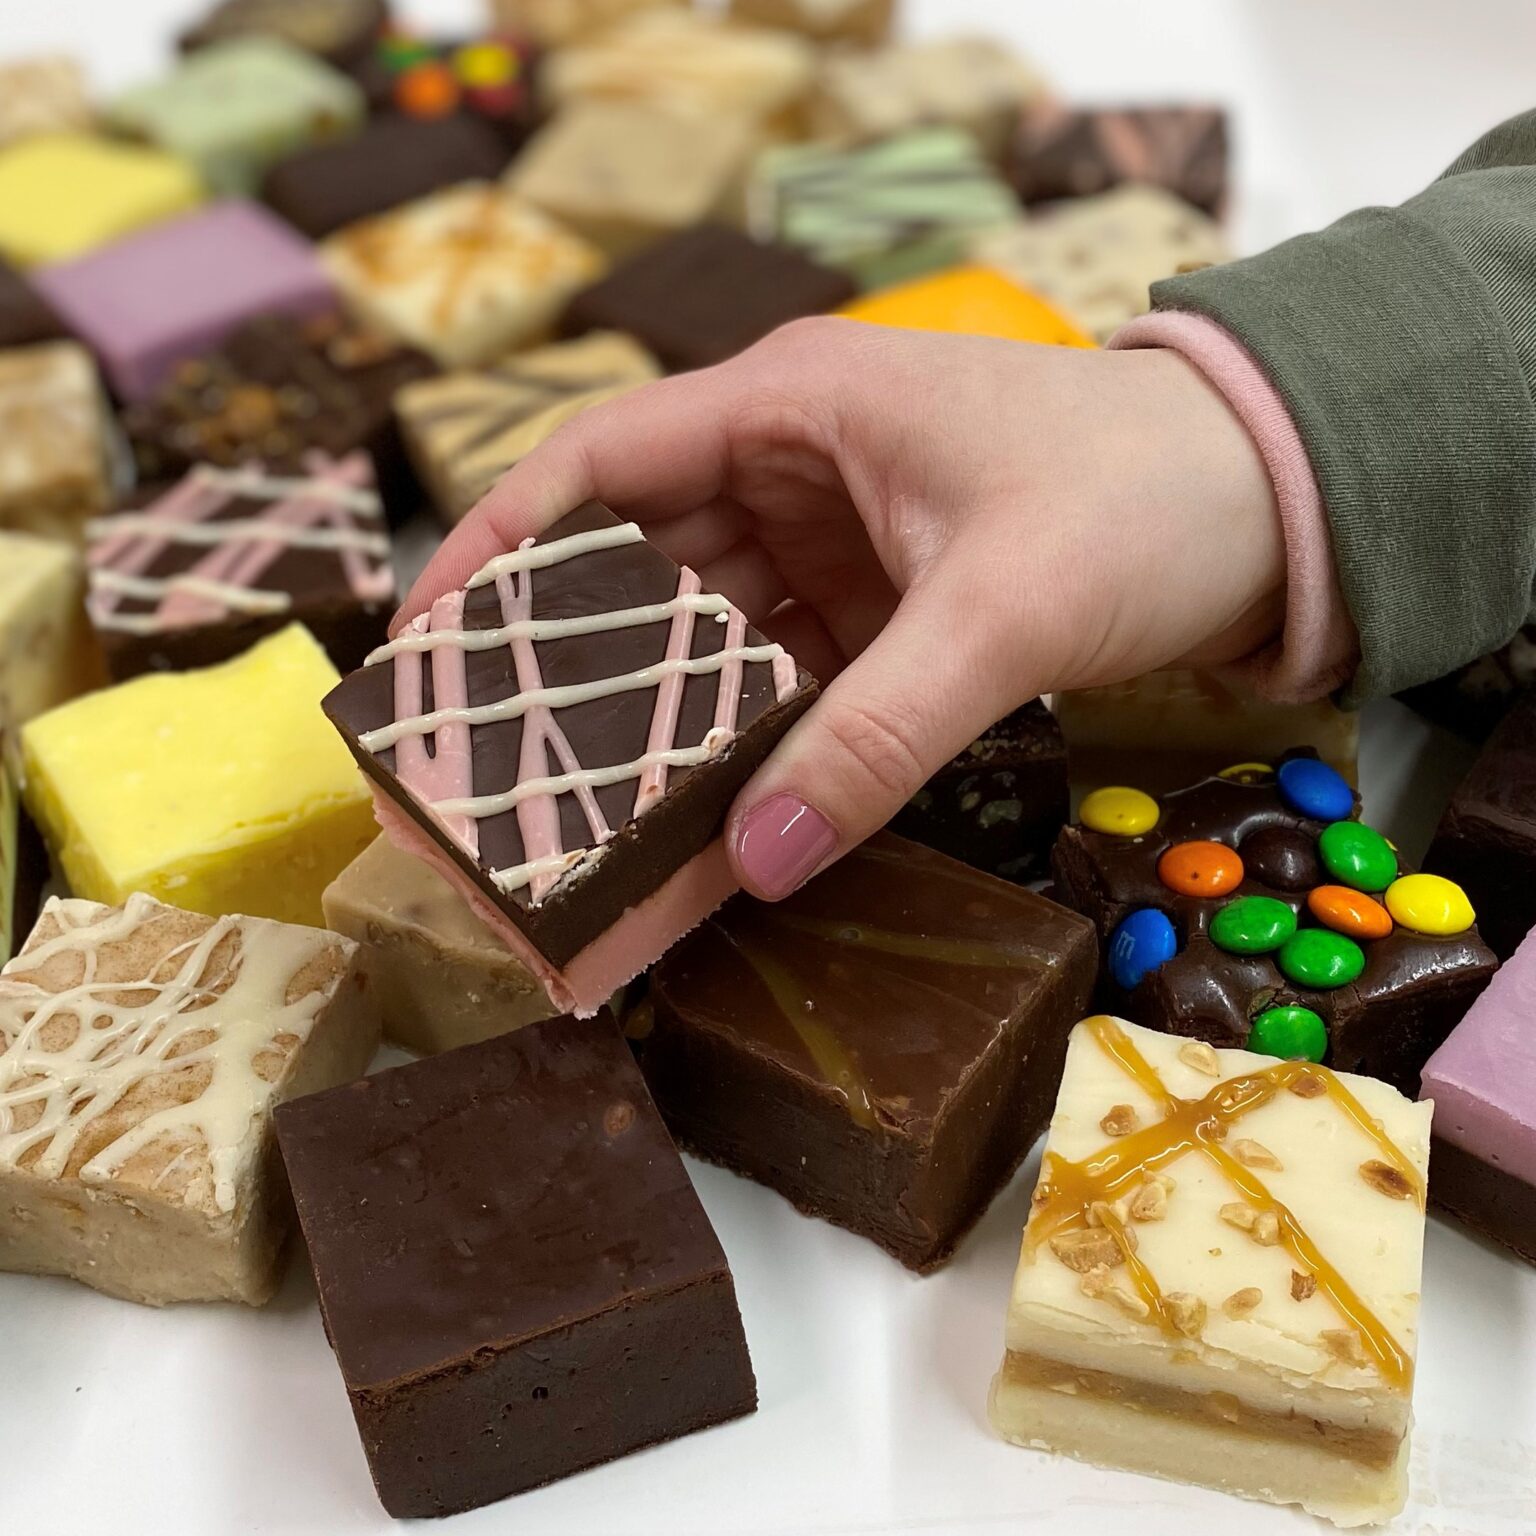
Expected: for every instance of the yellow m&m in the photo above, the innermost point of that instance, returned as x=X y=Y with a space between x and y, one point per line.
x=1118 y=810
x=1430 y=904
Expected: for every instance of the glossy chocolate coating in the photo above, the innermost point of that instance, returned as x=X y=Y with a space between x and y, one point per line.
x=646 y=849
x=25 y=315
x=1486 y=841
x=882 y=1048
x=1488 y=1199
x=701 y=297
x=515 y=1273
x=1413 y=990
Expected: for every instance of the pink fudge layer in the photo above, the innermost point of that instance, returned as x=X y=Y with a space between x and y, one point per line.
x=638 y=939
x=1483 y=1079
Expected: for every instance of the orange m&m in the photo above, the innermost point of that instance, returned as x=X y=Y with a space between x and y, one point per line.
x=1350 y=912
x=427 y=90
x=1200 y=869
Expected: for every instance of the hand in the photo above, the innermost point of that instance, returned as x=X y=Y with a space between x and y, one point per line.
x=938 y=527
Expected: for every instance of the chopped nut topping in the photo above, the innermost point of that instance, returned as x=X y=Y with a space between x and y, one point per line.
x=1302 y=1286
x=1239 y=1214
x=1201 y=1057
x=1215 y=1130
x=1241 y=1303
x=1150 y=1202
x=1343 y=1344
x=1253 y=1154
x=1118 y=1214
x=1307 y=1085
x=1099 y=1284
x=1084 y=1250
x=1385 y=1179
x=1043 y=1192
x=1120 y=1121
x=1266 y=1229
x=1187 y=1313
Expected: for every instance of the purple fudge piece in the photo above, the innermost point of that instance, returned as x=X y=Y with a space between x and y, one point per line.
x=176 y=291
x=1483 y=1082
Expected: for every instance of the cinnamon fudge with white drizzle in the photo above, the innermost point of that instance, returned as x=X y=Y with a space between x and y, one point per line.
x=142 y=1051
x=1219 y=1281
x=562 y=737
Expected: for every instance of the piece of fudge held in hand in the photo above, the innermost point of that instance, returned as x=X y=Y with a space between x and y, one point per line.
x=562 y=738
x=142 y=1049
x=1482 y=1082
x=559 y=1301
x=1254 y=909
x=881 y=1047
x=1219 y=1282
x=195 y=573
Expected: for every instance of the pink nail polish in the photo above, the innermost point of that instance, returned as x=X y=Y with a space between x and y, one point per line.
x=781 y=842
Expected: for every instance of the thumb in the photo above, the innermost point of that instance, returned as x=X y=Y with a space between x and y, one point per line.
x=916 y=697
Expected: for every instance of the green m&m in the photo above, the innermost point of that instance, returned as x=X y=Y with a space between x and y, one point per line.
x=1357 y=855
x=1320 y=958
x=1252 y=925
x=1293 y=1034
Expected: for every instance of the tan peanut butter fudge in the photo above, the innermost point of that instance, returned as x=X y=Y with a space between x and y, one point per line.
x=440 y=976
x=142 y=1050
x=824 y=21
x=1219 y=1282
x=558 y=23
x=48 y=652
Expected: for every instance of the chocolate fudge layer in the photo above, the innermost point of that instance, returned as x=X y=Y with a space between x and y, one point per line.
x=881 y=1048
x=515 y=1273
x=25 y=315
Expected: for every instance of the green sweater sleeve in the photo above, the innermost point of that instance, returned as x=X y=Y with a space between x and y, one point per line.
x=1403 y=340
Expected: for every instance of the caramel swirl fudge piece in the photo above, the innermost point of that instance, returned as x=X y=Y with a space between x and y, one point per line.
x=1219 y=1282
x=142 y=1050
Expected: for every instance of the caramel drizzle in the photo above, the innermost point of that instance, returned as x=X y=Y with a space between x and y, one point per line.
x=1199 y=1125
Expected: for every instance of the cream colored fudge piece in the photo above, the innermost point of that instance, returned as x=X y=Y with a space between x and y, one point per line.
x=42 y=95
x=464 y=274
x=624 y=175
x=1169 y=729
x=1219 y=1282
x=142 y=1049
x=465 y=430
x=53 y=444
x=441 y=977
x=48 y=651
x=966 y=82
x=826 y=21
x=1095 y=258
x=559 y=23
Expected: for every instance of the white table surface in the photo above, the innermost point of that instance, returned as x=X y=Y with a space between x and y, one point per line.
x=202 y=1421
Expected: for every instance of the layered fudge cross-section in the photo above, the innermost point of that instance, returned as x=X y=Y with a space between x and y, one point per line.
x=562 y=739
x=516 y=1275
x=880 y=1048
x=1219 y=1282
x=142 y=1049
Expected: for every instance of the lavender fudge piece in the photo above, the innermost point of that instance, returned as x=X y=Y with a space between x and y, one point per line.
x=178 y=290
x=1483 y=1083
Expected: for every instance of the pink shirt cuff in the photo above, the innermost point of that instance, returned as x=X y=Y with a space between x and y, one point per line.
x=1318 y=649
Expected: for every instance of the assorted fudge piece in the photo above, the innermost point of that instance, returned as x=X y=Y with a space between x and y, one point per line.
x=235 y=108
x=1060 y=151
x=43 y=95
x=968 y=301
x=441 y=978
x=557 y=23
x=701 y=297
x=195 y=573
x=1472 y=700
x=64 y=194
x=624 y=175
x=562 y=737
x=465 y=274
x=1219 y=1281
x=142 y=1051
x=221 y=790
x=490 y=1343
x=47 y=651
x=338 y=30
x=864 y=22
x=1167 y=729
x=1482 y=1082
x=999 y=805
x=1486 y=841
x=880 y=1047
x=23 y=863
x=1254 y=909
x=171 y=293
x=1096 y=258
x=25 y=315
x=881 y=212
x=465 y=430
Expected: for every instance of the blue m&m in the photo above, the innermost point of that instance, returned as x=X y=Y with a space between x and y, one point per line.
x=1142 y=942
x=1314 y=789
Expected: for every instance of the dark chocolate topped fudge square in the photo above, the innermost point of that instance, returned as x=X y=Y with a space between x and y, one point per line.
x=882 y=1048
x=703 y=296
x=515 y=1273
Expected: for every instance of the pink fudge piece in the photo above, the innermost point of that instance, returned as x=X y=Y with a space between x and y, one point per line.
x=176 y=291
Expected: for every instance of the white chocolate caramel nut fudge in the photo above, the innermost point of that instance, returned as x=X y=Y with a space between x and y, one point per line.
x=142 y=1050
x=1219 y=1282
